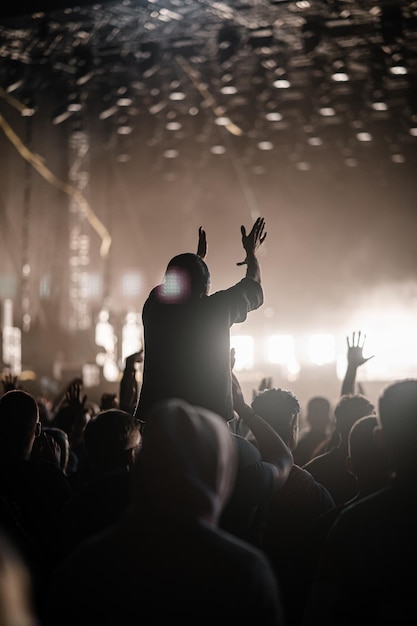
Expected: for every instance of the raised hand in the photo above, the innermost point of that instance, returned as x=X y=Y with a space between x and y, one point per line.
x=9 y=382
x=73 y=396
x=132 y=359
x=355 y=345
x=265 y=383
x=202 y=243
x=355 y=358
x=254 y=239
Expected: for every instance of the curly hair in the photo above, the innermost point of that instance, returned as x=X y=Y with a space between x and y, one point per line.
x=278 y=407
x=349 y=409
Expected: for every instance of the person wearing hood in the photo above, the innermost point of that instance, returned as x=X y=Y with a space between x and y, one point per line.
x=167 y=559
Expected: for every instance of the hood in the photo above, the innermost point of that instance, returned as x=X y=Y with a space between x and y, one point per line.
x=187 y=465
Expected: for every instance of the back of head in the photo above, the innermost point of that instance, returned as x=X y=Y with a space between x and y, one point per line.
x=349 y=409
x=365 y=454
x=397 y=414
x=187 y=465
x=109 y=437
x=187 y=276
x=280 y=408
x=318 y=413
x=19 y=414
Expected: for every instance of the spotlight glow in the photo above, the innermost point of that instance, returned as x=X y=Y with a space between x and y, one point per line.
x=244 y=352
x=322 y=349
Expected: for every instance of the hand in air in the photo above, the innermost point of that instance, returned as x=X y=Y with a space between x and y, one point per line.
x=202 y=243
x=254 y=239
x=355 y=346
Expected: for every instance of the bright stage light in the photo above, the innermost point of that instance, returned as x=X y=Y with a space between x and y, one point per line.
x=131 y=335
x=280 y=349
x=392 y=340
x=244 y=352
x=322 y=349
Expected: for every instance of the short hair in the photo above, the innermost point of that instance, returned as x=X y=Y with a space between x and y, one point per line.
x=318 y=404
x=349 y=409
x=19 y=413
x=318 y=412
x=190 y=277
x=278 y=407
x=106 y=436
x=397 y=414
x=362 y=446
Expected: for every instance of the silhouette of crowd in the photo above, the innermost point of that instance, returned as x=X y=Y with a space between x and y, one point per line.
x=179 y=499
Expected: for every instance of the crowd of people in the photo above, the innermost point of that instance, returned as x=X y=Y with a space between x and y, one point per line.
x=178 y=498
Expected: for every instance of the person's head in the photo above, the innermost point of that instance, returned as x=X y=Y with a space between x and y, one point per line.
x=111 y=440
x=397 y=428
x=281 y=409
x=318 y=414
x=187 y=464
x=108 y=401
x=348 y=410
x=19 y=424
x=366 y=460
x=187 y=276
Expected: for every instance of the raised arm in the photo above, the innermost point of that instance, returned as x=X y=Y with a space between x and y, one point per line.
x=128 y=388
x=355 y=359
x=251 y=243
x=270 y=445
x=202 y=243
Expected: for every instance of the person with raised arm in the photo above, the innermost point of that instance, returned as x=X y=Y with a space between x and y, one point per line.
x=355 y=359
x=187 y=331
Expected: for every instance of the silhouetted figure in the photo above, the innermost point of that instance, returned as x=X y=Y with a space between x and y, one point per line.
x=318 y=421
x=368 y=464
x=367 y=574
x=129 y=388
x=293 y=507
x=34 y=490
x=112 y=440
x=166 y=560
x=72 y=415
x=187 y=331
x=355 y=358
x=264 y=465
x=330 y=468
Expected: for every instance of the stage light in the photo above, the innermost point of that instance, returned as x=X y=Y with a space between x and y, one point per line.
x=110 y=370
x=364 y=137
x=281 y=83
x=228 y=90
x=131 y=335
x=61 y=115
x=132 y=284
x=90 y=375
x=280 y=349
x=392 y=337
x=217 y=149
x=273 y=116
x=322 y=349
x=104 y=332
x=327 y=111
x=265 y=145
x=244 y=352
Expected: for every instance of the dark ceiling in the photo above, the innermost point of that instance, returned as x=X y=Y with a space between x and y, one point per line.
x=311 y=72
x=312 y=103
